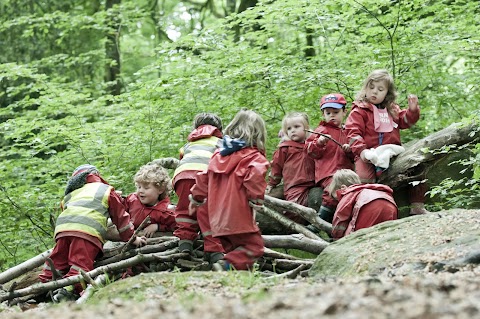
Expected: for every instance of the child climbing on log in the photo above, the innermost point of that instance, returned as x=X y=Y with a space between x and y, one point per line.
x=328 y=147
x=233 y=187
x=82 y=225
x=360 y=205
x=151 y=200
x=291 y=163
x=376 y=120
x=194 y=157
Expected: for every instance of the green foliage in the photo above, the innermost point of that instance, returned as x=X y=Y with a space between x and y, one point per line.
x=178 y=59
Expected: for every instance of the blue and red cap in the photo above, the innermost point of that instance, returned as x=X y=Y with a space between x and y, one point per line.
x=333 y=100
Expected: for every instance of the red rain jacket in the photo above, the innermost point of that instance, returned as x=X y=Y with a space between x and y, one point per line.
x=351 y=201
x=330 y=157
x=361 y=129
x=290 y=162
x=159 y=213
x=230 y=183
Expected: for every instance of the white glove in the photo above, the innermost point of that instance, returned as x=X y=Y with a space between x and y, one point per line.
x=381 y=155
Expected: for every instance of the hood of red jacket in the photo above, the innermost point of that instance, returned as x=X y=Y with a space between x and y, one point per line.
x=204 y=131
x=226 y=164
x=358 y=187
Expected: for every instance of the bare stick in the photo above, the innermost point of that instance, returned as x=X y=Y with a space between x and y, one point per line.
x=307 y=213
x=290 y=224
x=134 y=236
x=325 y=135
x=295 y=241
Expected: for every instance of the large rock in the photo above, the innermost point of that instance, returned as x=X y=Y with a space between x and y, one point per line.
x=402 y=246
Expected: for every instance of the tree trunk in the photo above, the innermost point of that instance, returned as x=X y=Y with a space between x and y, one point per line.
x=112 y=48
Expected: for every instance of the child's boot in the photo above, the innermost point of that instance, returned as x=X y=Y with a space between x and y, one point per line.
x=418 y=209
x=213 y=257
x=326 y=213
x=185 y=246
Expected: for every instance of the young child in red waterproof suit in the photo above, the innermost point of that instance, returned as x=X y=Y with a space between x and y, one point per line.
x=328 y=155
x=291 y=163
x=360 y=205
x=234 y=187
x=151 y=200
x=194 y=157
x=81 y=227
x=376 y=120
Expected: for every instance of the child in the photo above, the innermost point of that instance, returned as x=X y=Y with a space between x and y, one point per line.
x=194 y=158
x=151 y=199
x=233 y=184
x=290 y=162
x=330 y=153
x=81 y=227
x=376 y=120
x=360 y=205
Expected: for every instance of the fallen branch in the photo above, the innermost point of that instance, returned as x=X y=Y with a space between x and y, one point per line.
x=24 y=267
x=163 y=246
x=296 y=241
x=124 y=264
x=306 y=213
x=290 y=224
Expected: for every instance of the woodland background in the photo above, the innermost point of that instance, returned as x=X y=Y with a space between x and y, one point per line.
x=116 y=84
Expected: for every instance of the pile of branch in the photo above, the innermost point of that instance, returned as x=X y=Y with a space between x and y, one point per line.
x=161 y=254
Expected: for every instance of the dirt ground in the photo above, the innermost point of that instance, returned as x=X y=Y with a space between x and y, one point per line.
x=425 y=294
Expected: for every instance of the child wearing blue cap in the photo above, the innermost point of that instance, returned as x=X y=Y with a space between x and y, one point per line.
x=328 y=146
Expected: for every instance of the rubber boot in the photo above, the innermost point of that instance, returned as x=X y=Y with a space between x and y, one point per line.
x=185 y=246
x=326 y=213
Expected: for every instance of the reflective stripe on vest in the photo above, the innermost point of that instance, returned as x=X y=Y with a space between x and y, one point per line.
x=86 y=211
x=197 y=154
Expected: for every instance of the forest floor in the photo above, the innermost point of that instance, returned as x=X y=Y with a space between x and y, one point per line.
x=424 y=294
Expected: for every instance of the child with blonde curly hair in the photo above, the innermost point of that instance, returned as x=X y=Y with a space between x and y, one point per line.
x=151 y=200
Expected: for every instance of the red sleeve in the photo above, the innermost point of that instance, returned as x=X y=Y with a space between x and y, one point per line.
x=254 y=180
x=119 y=216
x=278 y=161
x=314 y=150
x=407 y=118
x=355 y=129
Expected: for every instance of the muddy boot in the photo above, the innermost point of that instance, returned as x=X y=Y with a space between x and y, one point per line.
x=326 y=213
x=221 y=265
x=314 y=199
x=185 y=246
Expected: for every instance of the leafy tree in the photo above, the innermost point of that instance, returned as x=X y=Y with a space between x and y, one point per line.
x=173 y=59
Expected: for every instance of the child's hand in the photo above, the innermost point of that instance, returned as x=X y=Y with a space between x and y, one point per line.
x=150 y=230
x=140 y=241
x=413 y=103
x=346 y=148
x=322 y=140
x=192 y=208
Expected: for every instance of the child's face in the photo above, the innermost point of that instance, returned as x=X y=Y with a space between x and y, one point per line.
x=148 y=193
x=334 y=116
x=376 y=91
x=296 y=129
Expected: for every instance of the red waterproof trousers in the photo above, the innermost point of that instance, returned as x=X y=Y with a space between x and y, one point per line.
x=243 y=249
x=188 y=226
x=69 y=255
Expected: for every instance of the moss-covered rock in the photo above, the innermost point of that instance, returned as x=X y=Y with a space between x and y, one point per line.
x=402 y=245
